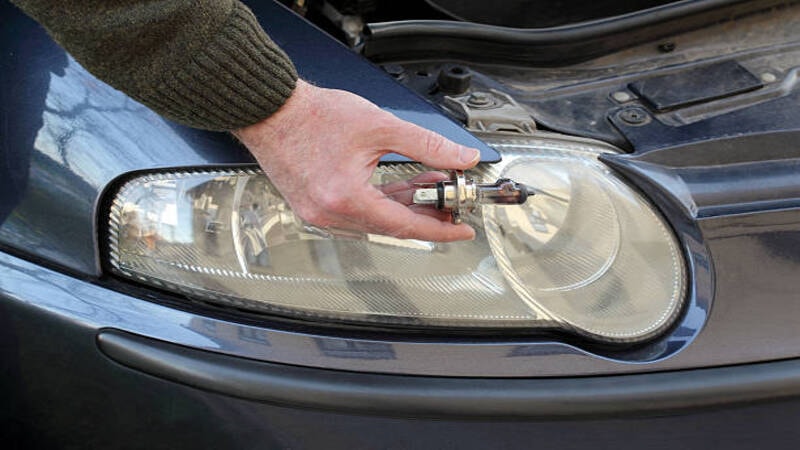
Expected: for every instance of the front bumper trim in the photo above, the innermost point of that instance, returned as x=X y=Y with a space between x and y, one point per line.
x=441 y=397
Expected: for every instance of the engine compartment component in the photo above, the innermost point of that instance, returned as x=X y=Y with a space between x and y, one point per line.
x=734 y=78
x=539 y=13
x=491 y=111
x=577 y=78
x=559 y=46
x=692 y=86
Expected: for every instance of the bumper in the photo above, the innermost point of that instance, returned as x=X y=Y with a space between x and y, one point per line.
x=72 y=378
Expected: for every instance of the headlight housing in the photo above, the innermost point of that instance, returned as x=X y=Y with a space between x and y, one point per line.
x=586 y=255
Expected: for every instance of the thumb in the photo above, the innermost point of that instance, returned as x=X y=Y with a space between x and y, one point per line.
x=430 y=148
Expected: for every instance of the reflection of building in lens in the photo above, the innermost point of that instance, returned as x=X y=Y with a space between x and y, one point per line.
x=264 y=222
x=210 y=210
x=253 y=237
x=140 y=234
x=131 y=228
x=150 y=237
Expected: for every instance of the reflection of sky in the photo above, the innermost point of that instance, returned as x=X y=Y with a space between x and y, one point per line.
x=93 y=306
x=175 y=212
x=169 y=216
x=184 y=234
x=165 y=206
x=85 y=124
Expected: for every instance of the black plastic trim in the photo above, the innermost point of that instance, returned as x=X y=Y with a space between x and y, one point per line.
x=393 y=395
x=441 y=39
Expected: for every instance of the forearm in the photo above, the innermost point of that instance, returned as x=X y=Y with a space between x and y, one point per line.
x=207 y=64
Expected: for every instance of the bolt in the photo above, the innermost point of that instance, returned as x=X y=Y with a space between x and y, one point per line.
x=395 y=70
x=633 y=116
x=768 y=77
x=479 y=99
x=454 y=79
x=621 y=96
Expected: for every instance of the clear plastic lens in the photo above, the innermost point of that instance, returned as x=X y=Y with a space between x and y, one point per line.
x=586 y=254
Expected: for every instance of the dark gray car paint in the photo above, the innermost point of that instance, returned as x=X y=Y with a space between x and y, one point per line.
x=555 y=398
x=78 y=136
x=78 y=116
x=49 y=320
x=64 y=393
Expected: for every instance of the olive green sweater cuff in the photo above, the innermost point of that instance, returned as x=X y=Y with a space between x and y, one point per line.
x=238 y=79
x=204 y=63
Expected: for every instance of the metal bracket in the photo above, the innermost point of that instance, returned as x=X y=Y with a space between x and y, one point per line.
x=491 y=111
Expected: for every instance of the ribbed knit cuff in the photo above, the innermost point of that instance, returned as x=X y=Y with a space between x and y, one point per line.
x=238 y=79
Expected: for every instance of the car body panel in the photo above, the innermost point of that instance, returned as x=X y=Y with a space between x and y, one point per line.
x=70 y=138
x=83 y=136
x=61 y=391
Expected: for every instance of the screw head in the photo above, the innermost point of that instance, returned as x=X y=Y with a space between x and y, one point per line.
x=621 y=96
x=634 y=116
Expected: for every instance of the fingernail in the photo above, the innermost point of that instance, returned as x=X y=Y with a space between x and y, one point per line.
x=468 y=155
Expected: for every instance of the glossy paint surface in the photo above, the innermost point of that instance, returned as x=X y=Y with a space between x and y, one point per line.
x=66 y=137
x=64 y=393
x=72 y=136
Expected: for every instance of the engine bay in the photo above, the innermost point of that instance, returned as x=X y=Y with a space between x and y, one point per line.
x=638 y=88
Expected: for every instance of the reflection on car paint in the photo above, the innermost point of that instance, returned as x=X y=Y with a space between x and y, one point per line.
x=355 y=349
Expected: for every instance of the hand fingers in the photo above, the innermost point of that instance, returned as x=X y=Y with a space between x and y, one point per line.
x=386 y=216
x=427 y=177
x=403 y=191
x=428 y=147
x=430 y=211
x=378 y=214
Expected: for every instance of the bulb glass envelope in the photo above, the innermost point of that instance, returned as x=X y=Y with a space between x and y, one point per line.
x=586 y=255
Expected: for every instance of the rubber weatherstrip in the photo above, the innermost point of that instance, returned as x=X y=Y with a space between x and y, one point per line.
x=415 y=40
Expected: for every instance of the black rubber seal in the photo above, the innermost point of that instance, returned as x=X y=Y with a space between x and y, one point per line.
x=440 y=195
x=441 y=397
x=415 y=40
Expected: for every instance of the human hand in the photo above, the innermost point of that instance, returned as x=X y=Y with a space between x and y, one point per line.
x=321 y=148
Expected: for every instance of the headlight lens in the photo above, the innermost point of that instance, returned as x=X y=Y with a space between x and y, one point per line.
x=585 y=255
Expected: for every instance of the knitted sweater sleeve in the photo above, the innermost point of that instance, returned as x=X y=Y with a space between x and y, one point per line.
x=204 y=63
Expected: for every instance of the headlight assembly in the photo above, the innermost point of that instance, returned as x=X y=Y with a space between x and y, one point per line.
x=585 y=255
